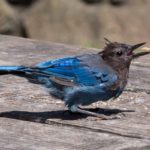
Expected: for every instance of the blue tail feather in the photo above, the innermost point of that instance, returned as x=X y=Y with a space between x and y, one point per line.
x=11 y=69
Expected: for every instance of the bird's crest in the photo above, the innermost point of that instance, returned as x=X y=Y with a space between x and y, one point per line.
x=107 y=42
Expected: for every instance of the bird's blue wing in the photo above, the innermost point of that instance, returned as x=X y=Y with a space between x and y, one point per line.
x=75 y=71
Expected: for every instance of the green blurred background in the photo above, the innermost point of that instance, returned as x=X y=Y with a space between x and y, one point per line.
x=77 y=22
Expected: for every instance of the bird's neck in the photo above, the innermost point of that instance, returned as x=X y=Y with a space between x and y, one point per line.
x=118 y=65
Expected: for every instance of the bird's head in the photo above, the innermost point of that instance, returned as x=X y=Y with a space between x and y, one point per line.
x=121 y=53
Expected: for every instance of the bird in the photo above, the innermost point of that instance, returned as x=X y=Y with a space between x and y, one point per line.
x=83 y=79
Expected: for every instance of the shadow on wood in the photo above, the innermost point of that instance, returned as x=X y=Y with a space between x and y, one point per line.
x=64 y=115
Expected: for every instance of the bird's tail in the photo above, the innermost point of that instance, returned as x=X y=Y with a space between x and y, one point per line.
x=17 y=70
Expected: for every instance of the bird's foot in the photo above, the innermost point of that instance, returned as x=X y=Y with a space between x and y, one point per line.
x=77 y=109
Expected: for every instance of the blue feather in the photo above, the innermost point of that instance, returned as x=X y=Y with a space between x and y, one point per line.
x=77 y=80
x=10 y=68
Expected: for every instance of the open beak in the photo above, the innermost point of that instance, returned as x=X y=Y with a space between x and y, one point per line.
x=143 y=51
x=137 y=46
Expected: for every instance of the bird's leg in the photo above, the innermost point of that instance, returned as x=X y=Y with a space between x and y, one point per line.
x=77 y=109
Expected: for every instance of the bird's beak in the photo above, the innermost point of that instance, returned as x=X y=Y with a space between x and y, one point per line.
x=143 y=51
x=137 y=46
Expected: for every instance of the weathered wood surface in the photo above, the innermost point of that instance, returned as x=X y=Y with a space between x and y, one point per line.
x=30 y=119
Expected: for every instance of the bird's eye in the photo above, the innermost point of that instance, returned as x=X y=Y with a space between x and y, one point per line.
x=119 y=53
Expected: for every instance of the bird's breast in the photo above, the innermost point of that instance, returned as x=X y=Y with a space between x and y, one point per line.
x=120 y=85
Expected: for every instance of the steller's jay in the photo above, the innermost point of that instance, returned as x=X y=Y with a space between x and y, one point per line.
x=85 y=79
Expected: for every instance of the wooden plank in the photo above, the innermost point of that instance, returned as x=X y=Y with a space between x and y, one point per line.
x=24 y=102
x=32 y=136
